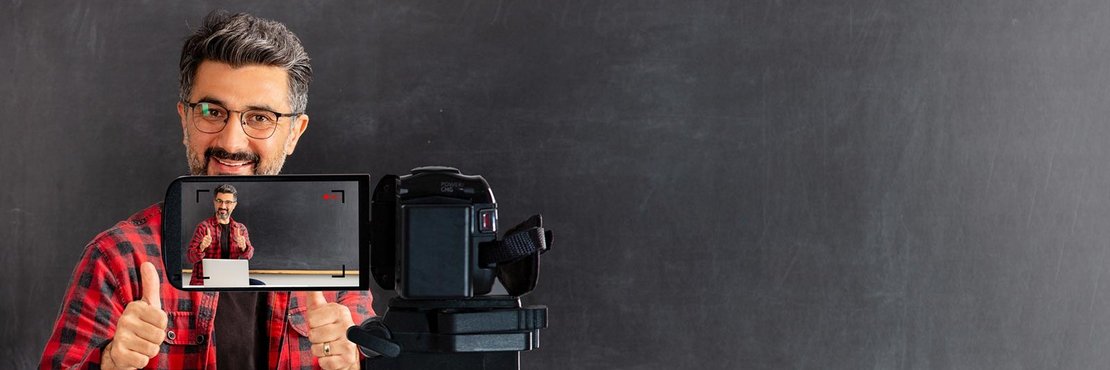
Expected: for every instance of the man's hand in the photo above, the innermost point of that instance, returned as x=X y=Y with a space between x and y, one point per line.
x=328 y=323
x=140 y=329
x=239 y=238
x=207 y=240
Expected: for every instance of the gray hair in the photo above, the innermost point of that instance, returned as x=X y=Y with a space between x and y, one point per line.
x=243 y=39
x=226 y=189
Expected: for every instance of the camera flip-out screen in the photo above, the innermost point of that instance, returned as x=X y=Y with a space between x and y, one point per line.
x=288 y=232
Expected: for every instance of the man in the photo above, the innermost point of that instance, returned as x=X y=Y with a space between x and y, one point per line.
x=232 y=241
x=244 y=85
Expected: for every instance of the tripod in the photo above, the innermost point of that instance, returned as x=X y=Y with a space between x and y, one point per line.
x=476 y=333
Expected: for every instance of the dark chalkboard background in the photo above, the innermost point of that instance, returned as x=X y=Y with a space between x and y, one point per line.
x=772 y=184
x=290 y=224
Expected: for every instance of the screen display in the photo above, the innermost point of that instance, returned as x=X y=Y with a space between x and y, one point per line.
x=292 y=232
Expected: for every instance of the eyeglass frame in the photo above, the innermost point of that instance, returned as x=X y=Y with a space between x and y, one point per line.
x=224 y=202
x=242 y=115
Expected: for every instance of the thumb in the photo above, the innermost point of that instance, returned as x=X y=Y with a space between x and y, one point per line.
x=316 y=299
x=151 y=285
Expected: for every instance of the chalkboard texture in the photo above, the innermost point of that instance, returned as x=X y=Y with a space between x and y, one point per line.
x=292 y=226
x=769 y=184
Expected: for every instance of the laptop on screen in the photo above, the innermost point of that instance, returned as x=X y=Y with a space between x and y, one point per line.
x=226 y=273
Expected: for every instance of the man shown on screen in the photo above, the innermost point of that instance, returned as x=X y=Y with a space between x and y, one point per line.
x=219 y=236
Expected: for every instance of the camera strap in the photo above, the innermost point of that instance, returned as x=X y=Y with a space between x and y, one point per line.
x=514 y=247
x=517 y=255
x=521 y=241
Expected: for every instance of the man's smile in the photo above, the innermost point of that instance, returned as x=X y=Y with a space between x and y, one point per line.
x=223 y=162
x=228 y=167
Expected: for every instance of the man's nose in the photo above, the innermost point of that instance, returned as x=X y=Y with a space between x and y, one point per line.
x=232 y=138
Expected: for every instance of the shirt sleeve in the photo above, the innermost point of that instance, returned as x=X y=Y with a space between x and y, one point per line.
x=249 y=252
x=194 y=253
x=360 y=302
x=89 y=311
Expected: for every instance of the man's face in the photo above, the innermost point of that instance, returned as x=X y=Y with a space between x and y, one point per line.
x=231 y=151
x=225 y=204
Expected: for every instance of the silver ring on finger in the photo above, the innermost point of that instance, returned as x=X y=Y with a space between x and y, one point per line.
x=327 y=349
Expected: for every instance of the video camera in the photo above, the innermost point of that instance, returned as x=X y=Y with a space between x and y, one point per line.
x=434 y=240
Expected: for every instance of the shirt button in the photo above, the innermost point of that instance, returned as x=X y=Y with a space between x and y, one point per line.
x=170 y=334
x=200 y=339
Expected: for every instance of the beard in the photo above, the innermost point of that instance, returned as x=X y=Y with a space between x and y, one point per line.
x=198 y=164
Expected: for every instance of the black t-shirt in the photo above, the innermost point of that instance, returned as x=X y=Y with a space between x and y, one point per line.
x=240 y=333
x=225 y=245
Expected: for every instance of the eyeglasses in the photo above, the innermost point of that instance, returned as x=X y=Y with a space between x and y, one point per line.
x=211 y=118
x=224 y=202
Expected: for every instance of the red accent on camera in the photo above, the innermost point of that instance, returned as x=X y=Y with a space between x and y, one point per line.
x=487 y=220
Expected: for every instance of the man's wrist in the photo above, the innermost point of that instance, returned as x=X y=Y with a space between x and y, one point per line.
x=106 y=360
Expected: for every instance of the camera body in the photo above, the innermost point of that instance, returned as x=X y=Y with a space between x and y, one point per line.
x=426 y=232
x=433 y=239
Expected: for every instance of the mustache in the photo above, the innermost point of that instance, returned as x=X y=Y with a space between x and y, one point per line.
x=220 y=153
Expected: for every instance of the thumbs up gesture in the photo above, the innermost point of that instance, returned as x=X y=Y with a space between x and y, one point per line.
x=141 y=328
x=242 y=240
x=207 y=240
x=328 y=323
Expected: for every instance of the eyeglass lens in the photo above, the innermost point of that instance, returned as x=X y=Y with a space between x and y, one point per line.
x=211 y=118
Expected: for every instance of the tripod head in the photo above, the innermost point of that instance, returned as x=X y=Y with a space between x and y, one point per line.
x=458 y=334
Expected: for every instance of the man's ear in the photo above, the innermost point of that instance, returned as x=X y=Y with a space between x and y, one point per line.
x=298 y=127
x=184 y=123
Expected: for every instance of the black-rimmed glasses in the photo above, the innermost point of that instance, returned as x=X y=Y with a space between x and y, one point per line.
x=211 y=118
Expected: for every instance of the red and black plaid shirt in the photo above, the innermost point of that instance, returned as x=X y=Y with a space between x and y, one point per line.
x=107 y=278
x=211 y=227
